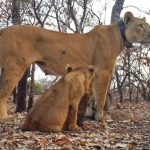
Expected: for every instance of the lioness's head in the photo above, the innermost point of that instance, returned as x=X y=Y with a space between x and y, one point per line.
x=87 y=72
x=137 y=30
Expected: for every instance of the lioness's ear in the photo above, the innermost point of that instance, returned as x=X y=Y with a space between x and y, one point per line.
x=91 y=69
x=128 y=17
x=68 y=68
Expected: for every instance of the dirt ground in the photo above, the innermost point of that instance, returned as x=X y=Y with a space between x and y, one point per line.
x=127 y=129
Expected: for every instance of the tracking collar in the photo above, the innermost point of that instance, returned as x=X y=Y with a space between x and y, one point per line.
x=121 y=24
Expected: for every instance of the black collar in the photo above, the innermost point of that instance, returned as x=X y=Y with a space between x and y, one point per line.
x=121 y=24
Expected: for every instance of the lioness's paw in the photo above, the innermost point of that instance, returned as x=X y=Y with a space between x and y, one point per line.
x=99 y=116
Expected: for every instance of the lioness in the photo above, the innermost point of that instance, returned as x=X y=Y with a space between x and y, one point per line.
x=22 y=45
x=57 y=108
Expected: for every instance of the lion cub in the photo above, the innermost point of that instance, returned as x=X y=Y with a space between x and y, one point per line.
x=57 y=108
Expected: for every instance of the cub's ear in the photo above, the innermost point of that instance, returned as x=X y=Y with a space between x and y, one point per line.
x=91 y=69
x=68 y=68
x=128 y=17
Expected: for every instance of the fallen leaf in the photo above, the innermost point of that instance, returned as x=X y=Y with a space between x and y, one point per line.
x=121 y=145
x=41 y=141
x=62 y=140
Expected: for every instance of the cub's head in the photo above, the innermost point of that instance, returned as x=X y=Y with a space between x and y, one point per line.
x=85 y=74
x=137 y=30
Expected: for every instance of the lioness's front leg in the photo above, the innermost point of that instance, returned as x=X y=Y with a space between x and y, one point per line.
x=8 y=80
x=101 y=82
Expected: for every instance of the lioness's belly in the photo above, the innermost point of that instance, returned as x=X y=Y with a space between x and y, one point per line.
x=55 y=65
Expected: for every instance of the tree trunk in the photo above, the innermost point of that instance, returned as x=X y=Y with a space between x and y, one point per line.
x=15 y=20
x=137 y=94
x=16 y=12
x=118 y=86
x=116 y=10
x=31 y=94
x=21 y=94
x=129 y=76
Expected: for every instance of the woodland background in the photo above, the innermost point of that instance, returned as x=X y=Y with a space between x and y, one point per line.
x=129 y=81
x=78 y=16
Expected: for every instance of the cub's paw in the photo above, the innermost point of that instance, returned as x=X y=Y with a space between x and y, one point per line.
x=76 y=129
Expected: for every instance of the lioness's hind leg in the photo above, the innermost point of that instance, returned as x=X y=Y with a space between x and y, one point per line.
x=8 y=80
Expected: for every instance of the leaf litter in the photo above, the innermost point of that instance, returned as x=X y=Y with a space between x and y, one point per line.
x=128 y=128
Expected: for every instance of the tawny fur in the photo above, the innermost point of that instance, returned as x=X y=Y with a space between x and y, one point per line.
x=57 y=108
x=22 y=45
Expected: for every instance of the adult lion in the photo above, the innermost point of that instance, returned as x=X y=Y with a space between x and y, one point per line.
x=22 y=45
